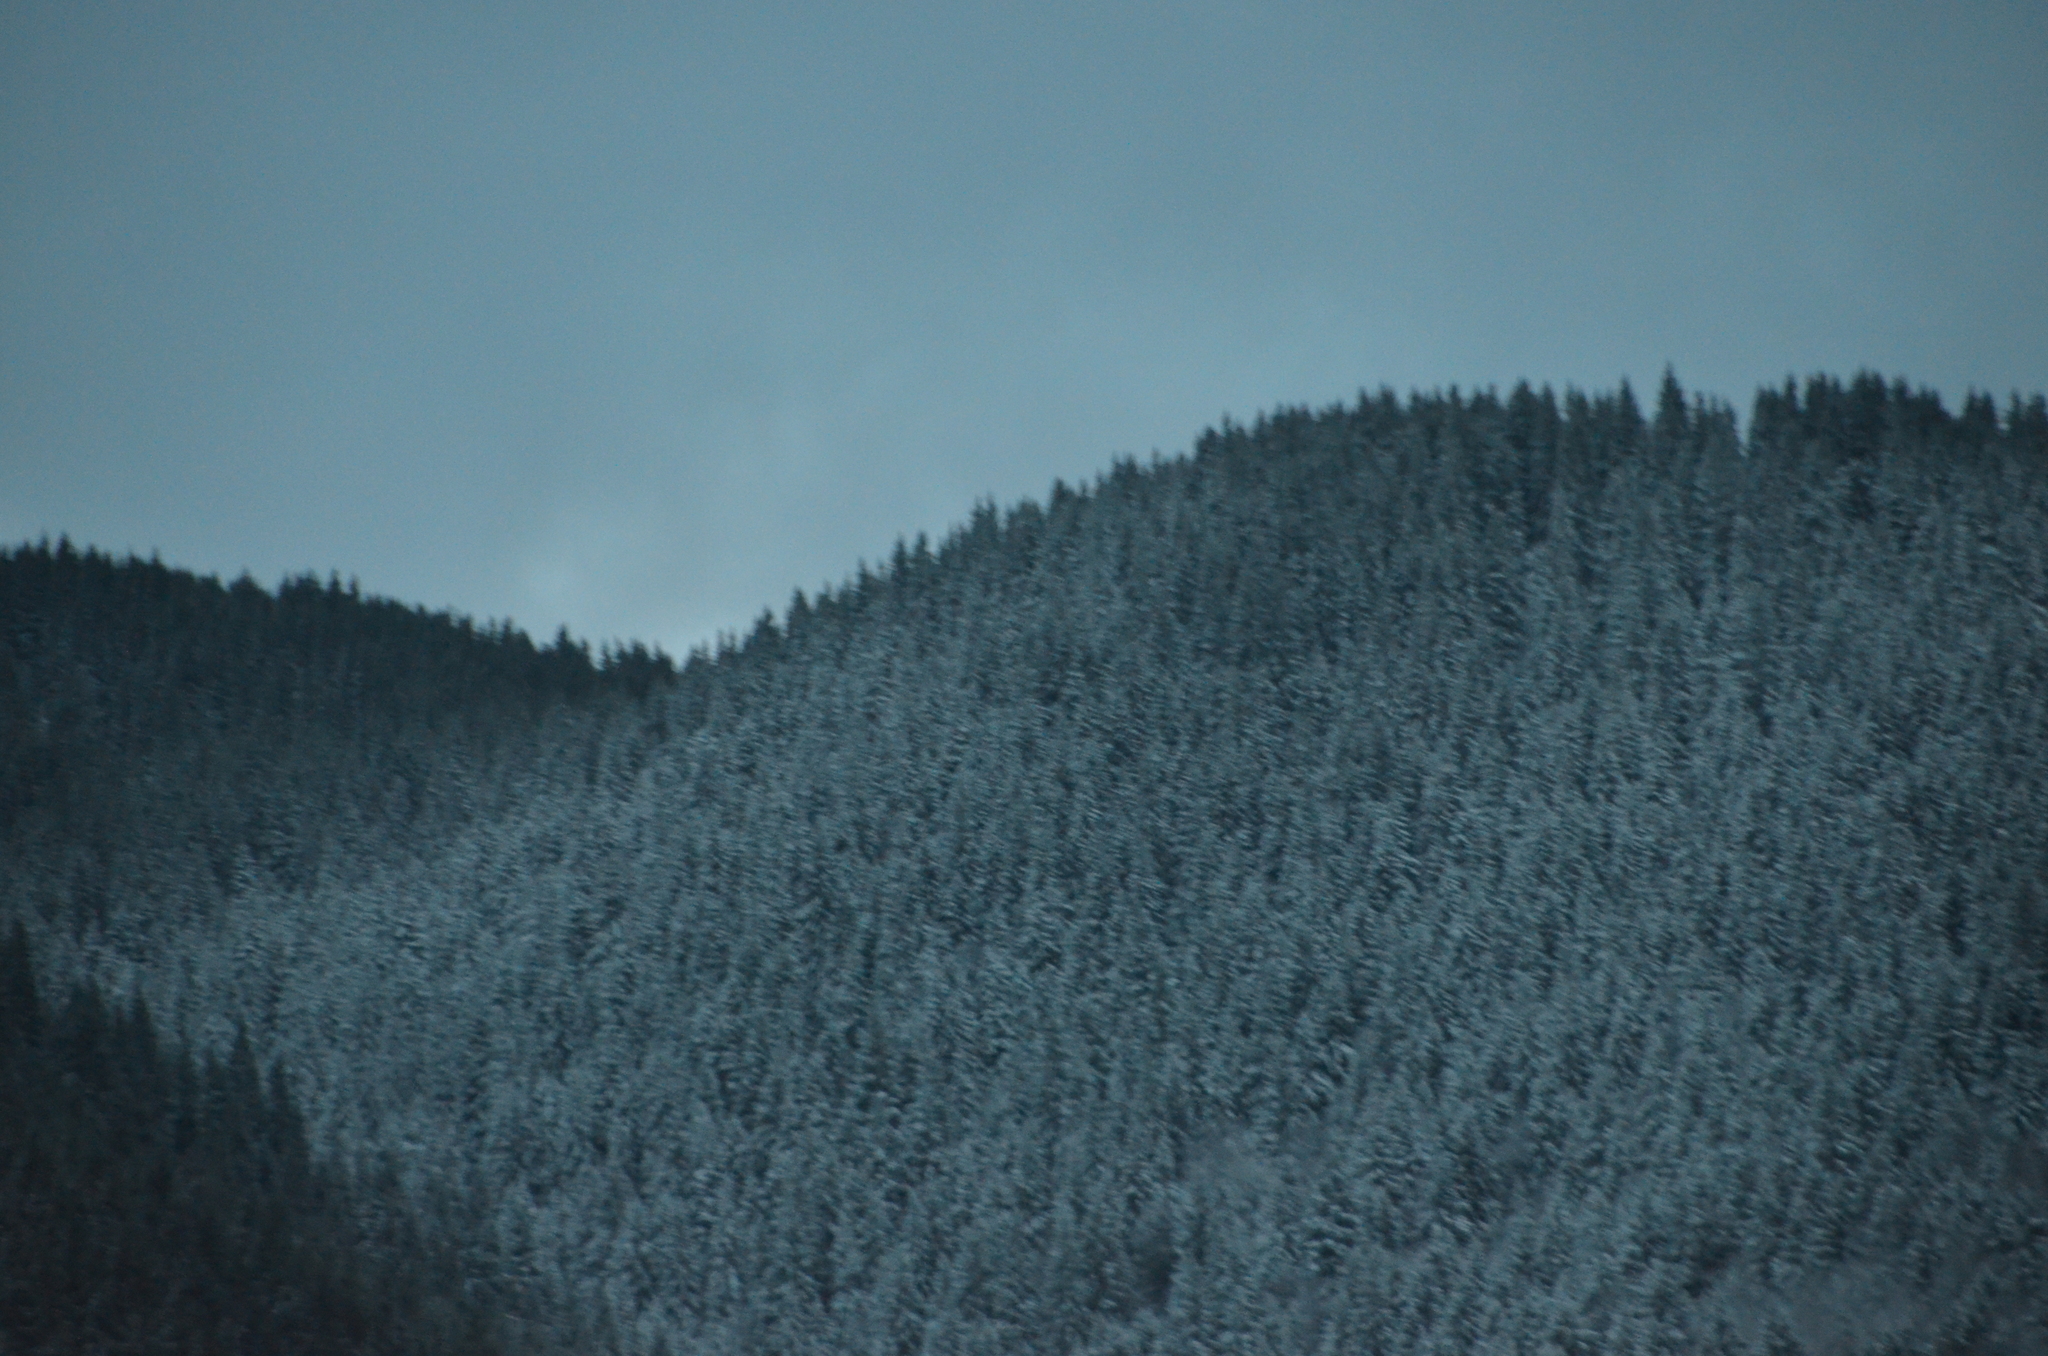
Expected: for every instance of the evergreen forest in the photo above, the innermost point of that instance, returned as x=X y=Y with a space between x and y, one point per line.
x=1514 y=874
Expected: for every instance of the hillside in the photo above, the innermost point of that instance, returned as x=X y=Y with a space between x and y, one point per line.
x=1476 y=873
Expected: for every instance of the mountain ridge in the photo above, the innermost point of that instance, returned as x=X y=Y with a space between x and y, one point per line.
x=1518 y=873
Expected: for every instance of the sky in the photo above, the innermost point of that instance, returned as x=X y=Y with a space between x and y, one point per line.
x=634 y=318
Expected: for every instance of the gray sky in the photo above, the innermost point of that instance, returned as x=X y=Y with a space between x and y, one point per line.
x=637 y=317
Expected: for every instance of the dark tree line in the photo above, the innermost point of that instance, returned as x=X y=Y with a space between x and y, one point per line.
x=151 y=1202
x=124 y=679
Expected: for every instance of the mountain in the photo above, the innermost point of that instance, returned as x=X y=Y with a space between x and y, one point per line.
x=1510 y=874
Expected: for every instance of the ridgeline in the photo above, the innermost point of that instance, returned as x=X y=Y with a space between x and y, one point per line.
x=1473 y=873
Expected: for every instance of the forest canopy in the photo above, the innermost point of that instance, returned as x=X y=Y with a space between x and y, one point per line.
x=1515 y=872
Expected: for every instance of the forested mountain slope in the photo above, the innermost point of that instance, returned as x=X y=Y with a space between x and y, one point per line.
x=1470 y=874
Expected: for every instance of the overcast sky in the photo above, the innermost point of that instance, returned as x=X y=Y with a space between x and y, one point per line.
x=637 y=317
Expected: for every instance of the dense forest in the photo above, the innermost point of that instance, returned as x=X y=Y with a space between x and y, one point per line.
x=151 y=1203
x=1513 y=874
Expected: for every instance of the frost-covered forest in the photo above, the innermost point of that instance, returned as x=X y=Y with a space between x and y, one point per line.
x=1477 y=873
